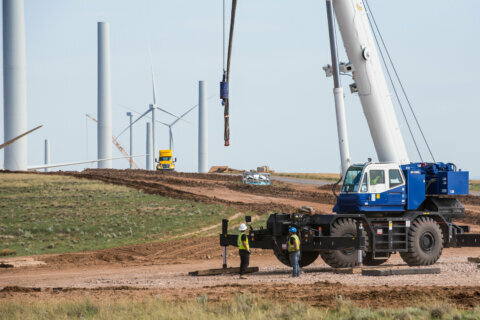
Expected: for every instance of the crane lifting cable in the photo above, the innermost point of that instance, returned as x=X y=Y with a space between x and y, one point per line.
x=226 y=72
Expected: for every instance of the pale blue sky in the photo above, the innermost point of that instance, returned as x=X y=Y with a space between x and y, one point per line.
x=282 y=111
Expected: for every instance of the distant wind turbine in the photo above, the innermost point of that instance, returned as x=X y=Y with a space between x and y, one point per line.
x=152 y=109
x=170 y=131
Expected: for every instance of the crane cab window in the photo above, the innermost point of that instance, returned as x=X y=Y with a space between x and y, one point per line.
x=377 y=177
x=352 y=179
x=364 y=187
x=395 y=178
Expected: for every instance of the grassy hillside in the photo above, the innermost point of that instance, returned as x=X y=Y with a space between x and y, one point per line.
x=51 y=214
x=475 y=185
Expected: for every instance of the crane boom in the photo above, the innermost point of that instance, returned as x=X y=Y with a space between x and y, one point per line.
x=370 y=81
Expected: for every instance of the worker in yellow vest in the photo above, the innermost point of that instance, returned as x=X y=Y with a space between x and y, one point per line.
x=294 y=251
x=243 y=250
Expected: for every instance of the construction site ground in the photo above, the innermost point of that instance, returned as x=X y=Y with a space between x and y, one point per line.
x=161 y=268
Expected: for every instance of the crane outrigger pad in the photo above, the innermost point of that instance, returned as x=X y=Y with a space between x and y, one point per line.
x=215 y=272
x=381 y=272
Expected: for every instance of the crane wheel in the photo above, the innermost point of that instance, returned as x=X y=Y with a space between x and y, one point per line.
x=425 y=243
x=306 y=258
x=342 y=258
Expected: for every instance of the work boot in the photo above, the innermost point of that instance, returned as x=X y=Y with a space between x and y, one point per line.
x=243 y=277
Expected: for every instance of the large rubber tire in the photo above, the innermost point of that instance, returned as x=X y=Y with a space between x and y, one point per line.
x=369 y=261
x=342 y=258
x=425 y=243
x=306 y=258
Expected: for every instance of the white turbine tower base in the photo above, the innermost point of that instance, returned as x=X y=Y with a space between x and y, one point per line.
x=104 y=112
x=202 y=128
x=47 y=154
x=14 y=84
x=149 y=148
x=130 y=115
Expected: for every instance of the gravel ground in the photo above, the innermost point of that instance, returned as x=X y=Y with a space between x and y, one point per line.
x=455 y=271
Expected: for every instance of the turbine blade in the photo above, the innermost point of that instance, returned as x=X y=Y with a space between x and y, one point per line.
x=153 y=79
x=76 y=163
x=134 y=111
x=183 y=115
x=19 y=137
x=167 y=112
x=143 y=115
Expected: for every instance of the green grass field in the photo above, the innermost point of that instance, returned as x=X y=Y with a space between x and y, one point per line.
x=475 y=185
x=240 y=307
x=52 y=214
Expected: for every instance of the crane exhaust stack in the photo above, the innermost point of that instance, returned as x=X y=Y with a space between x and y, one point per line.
x=104 y=126
x=14 y=84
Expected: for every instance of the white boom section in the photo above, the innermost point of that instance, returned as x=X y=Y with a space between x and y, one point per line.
x=368 y=75
x=338 y=95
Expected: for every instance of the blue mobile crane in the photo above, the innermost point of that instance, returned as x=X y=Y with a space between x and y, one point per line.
x=393 y=205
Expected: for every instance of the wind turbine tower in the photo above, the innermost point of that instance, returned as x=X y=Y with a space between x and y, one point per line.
x=130 y=115
x=47 y=154
x=149 y=151
x=104 y=111
x=14 y=84
x=202 y=128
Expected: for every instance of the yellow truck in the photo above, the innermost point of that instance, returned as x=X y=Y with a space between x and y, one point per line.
x=166 y=162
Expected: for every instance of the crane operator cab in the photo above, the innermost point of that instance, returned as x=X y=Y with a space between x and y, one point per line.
x=372 y=187
x=388 y=187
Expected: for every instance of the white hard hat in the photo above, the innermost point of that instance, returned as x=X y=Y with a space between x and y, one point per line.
x=242 y=227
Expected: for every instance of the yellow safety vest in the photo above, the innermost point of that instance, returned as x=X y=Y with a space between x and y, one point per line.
x=291 y=246
x=240 y=243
